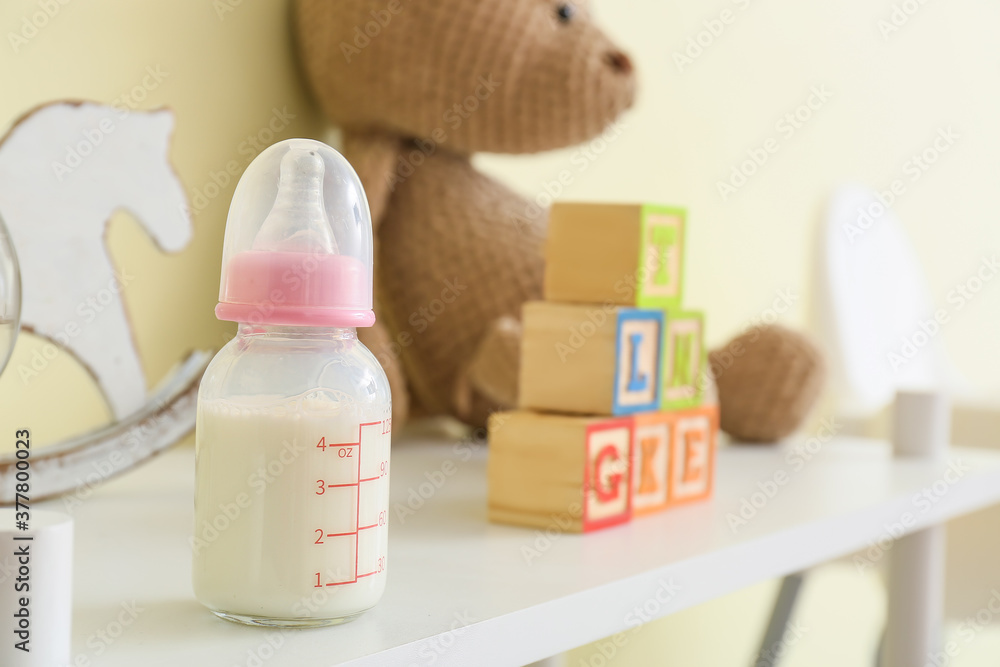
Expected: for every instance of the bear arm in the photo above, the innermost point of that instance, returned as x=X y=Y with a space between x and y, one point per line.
x=491 y=376
x=373 y=155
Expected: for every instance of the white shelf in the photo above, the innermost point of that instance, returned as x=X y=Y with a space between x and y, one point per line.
x=447 y=563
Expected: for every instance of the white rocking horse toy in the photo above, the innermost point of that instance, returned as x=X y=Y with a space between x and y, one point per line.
x=65 y=168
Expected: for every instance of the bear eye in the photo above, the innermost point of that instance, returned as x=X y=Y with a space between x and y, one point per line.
x=565 y=13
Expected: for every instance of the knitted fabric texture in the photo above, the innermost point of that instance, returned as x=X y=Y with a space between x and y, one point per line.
x=504 y=76
x=417 y=88
x=768 y=379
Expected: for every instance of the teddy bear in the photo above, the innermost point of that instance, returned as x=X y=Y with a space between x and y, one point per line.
x=417 y=88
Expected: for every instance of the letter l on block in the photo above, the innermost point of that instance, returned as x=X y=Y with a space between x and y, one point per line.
x=639 y=352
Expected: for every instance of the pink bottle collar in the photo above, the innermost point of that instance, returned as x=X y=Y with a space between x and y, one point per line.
x=296 y=289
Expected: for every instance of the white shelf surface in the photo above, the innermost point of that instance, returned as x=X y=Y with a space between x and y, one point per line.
x=450 y=568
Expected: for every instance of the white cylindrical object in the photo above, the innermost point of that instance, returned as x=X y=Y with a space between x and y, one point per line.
x=916 y=562
x=921 y=424
x=916 y=599
x=36 y=589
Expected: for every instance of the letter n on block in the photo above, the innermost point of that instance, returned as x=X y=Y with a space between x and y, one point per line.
x=692 y=454
x=651 y=436
x=606 y=479
x=639 y=347
x=683 y=360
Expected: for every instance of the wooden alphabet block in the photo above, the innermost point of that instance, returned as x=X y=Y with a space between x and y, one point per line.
x=692 y=454
x=683 y=360
x=652 y=437
x=607 y=476
x=629 y=255
x=558 y=471
x=673 y=457
x=601 y=360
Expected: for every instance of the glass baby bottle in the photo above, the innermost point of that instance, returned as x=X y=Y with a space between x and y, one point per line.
x=292 y=472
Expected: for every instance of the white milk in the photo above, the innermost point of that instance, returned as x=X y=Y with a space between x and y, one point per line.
x=284 y=530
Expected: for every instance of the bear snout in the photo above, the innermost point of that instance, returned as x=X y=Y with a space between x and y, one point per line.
x=619 y=62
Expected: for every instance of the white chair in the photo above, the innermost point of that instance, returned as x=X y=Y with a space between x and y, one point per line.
x=876 y=320
x=872 y=296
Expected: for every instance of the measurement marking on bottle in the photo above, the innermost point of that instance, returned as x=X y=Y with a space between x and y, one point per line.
x=337 y=446
x=357 y=517
x=346 y=451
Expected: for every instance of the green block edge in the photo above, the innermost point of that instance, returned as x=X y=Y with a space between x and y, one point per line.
x=665 y=303
x=699 y=395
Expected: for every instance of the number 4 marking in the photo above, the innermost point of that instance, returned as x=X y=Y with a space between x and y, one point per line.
x=322 y=443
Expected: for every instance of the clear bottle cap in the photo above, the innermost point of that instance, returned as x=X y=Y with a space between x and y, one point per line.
x=298 y=247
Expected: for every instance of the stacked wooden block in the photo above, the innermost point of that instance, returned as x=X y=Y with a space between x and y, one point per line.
x=611 y=421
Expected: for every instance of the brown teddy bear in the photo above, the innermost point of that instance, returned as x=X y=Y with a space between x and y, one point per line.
x=418 y=87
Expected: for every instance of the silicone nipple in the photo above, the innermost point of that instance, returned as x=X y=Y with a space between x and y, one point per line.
x=298 y=220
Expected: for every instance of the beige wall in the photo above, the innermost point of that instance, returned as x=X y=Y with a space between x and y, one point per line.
x=223 y=76
x=888 y=99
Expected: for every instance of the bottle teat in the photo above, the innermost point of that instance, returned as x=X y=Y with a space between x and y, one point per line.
x=298 y=248
x=297 y=222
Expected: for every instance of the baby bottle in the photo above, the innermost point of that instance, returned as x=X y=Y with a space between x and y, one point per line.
x=292 y=472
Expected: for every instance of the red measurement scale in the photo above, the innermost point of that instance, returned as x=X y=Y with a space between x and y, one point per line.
x=354 y=460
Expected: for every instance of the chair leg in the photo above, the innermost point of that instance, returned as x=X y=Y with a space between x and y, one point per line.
x=784 y=605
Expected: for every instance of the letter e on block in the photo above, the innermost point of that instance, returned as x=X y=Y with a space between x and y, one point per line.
x=606 y=479
x=639 y=348
x=692 y=454
x=651 y=434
